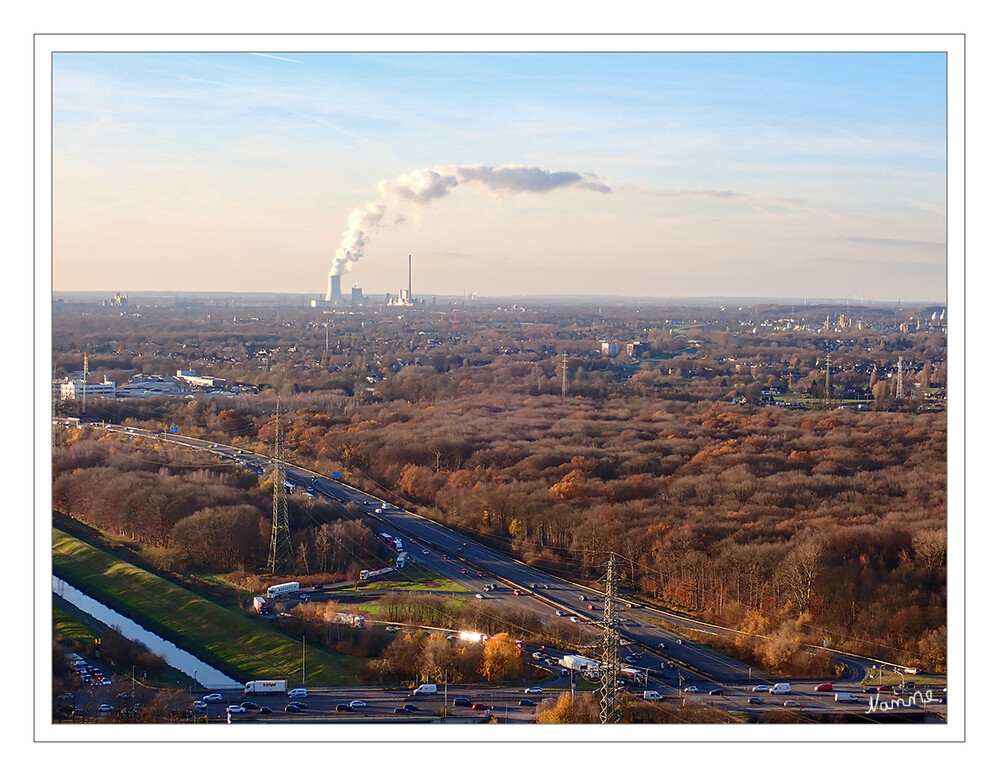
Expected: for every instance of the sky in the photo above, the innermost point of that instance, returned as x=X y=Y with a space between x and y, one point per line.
x=663 y=174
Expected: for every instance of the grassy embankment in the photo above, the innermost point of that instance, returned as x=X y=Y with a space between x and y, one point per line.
x=69 y=629
x=225 y=638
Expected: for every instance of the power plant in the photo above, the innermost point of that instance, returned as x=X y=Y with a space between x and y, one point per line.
x=333 y=288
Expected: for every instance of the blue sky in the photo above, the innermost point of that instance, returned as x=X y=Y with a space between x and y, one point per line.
x=730 y=174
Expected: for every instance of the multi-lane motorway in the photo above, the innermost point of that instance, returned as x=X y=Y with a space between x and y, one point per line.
x=663 y=659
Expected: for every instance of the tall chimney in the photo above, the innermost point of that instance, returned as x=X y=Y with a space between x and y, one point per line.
x=333 y=288
x=410 y=277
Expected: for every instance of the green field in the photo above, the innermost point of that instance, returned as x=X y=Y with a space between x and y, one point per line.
x=238 y=645
x=68 y=627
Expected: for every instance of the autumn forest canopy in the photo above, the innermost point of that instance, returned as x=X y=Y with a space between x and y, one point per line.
x=768 y=476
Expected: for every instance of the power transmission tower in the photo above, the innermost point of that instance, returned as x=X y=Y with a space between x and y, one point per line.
x=280 y=555
x=898 y=381
x=565 y=371
x=610 y=699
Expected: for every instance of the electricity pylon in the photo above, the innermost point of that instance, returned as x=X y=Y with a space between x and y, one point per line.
x=610 y=698
x=280 y=556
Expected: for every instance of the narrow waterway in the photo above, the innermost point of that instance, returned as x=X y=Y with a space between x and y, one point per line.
x=200 y=672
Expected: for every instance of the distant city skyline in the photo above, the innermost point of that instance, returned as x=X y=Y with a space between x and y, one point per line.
x=787 y=175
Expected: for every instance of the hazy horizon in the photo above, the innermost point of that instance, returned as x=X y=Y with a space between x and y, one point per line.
x=657 y=175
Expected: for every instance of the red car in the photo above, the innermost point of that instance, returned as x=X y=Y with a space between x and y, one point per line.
x=823 y=687
x=480 y=707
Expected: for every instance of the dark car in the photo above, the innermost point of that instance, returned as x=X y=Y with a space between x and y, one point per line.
x=265 y=710
x=250 y=706
x=717 y=691
x=870 y=689
x=527 y=702
x=402 y=710
x=342 y=707
x=293 y=708
x=756 y=699
x=410 y=707
x=463 y=702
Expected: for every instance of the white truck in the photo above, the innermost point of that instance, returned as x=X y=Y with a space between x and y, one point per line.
x=376 y=573
x=578 y=663
x=426 y=689
x=781 y=688
x=347 y=618
x=265 y=686
x=286 y=587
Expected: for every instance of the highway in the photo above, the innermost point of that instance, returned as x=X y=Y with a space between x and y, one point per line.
x=666 y=661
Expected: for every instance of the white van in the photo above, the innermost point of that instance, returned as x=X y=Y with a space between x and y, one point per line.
x=652 y=695
x=426 y=689
x=781 y=688
x=845 y=697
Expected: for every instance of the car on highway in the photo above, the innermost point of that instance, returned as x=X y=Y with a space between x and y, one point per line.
x=630 y=659
x=293 y=708
x=298 y=692
x=590 y=607
x=756 y=699
x=265 y=709
x=234 y=709
x=762 y=688
x=215 y=697
x=426 y=552
x=824 y=687
x=691 y=688
x=463 y=702
x=870 y=689
x=533 y=691
x=480 y=596
x=105 y=708
x=559 y=613
x=527 y=702
x=401 y=710
x=661 y=645
x=791 y=704
x=411 y=707
x=200 y=705
x=305 y=597
x=717 y=691
x=573 y=618
x=885 y=688
x=342 y=707
x=357 y=704
x=481 y=707
x=250 y=706
x=582 y=598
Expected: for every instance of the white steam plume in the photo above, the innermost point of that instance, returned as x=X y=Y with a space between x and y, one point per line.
x=421 y=187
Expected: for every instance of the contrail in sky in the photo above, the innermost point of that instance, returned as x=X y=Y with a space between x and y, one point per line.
x=271 y=56
x=421 y=187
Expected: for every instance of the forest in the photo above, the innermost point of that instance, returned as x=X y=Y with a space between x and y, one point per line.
x=807 y=519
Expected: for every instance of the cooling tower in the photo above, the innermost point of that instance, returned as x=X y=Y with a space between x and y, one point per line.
x=333 y=289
